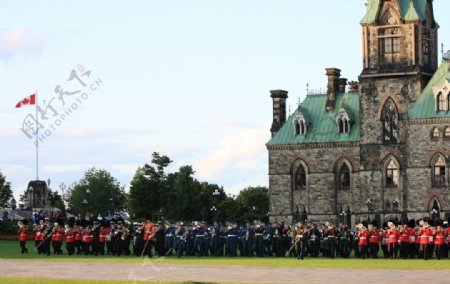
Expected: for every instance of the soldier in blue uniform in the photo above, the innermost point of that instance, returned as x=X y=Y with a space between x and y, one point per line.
x=249 y=239
x=200 y=239
x=180 y=238
x=267 y=240
x=314 y=238
x=259 y=243
x=169 y=239
x=232 y=240
x=190 y=236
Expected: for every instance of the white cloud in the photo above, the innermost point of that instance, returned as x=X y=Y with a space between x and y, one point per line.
x=66 y=168
x=16 y=40
x=241 y=149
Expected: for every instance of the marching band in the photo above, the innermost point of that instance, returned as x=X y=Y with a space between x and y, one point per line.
x=406 y=240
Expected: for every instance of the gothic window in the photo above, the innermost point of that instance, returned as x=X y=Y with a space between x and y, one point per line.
x=448 y=102
x=392 y=173
x=300 y=177
x=441 y=102
x=389 y=45
x=436 y=133
x=439 y=171
x=300 y=125
x=390 y=122
x=343 y=176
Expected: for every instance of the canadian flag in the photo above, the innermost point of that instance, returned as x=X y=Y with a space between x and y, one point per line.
x=31 y=100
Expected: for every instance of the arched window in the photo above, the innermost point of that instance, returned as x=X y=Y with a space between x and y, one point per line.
x=343 y=176
x=299 y=176
x=390 y=122
x=441 y=102
x=392 y=173
x=439 y=168
x=435 y=133
x=447 y=132
x=297 y=127
x=448 y=102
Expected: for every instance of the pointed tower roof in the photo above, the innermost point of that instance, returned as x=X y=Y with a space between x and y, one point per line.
x=410 y=10
x=425 y=106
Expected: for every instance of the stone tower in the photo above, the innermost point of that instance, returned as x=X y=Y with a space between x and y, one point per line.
x=400 y=48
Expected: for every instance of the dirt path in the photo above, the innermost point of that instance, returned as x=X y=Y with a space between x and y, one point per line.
x=151 y=271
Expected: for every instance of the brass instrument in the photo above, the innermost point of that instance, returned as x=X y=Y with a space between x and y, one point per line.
x=67 y=229
x=125 y=233
x=20 y=224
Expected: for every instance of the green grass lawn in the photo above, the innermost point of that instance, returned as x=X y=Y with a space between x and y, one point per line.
x=10 y=250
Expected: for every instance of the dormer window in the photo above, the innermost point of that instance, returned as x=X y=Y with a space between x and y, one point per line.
x=343 y=122
x=442 y=96
x=441 y=102
x=300 y=126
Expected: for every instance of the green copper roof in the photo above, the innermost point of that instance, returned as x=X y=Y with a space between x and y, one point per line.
x=425 y=106
x=410 y=10
x=322 y=126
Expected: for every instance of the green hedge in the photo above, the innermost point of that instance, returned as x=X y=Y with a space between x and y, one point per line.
x=8 y=227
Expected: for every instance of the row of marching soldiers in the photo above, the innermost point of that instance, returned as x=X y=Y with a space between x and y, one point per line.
x=406 y=240
x=80 y=238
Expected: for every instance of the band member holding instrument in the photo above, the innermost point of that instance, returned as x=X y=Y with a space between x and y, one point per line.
x=22 y=237
x=38 y=236
x=393 y=240
x=363 y=240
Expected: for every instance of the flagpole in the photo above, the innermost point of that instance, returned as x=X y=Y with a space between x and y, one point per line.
x=37 y=138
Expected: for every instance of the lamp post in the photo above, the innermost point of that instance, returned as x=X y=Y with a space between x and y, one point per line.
x=214 y=213
x=342 y=215
x=31 y=190
x=434 y=212
x=369 y=208
x=85 y=202
x=13 y=203
x=395 y=204
x=62 y=187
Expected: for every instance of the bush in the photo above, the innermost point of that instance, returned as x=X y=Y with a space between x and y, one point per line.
x=8 y=227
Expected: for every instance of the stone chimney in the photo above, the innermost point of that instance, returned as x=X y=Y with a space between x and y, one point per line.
x=279 y=109
x=342 y=85
x=333 y=75
x=353 y=87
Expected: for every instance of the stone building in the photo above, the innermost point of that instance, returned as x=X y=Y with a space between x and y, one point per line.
x=380 y=150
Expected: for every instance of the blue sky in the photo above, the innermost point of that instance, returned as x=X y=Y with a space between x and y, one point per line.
x=189 y=79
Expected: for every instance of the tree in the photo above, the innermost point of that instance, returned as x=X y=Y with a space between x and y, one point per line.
x=96 y=193
x=253 y=203
x=56 y=200
x=5 y=191
x=148 y=190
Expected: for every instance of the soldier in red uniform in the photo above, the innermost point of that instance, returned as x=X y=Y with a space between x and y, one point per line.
x=374 y=241
x=384 y=240
x=393 y=240
x=425 y=234
x=87 y=240
x=149 y=233
x=70 y=240
x=363 y=235
x=78 y=239
x=22 y=237
x=38 y=236
x=439 y=242
x=404 y=241
x=57 y=239
x=104 y=232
